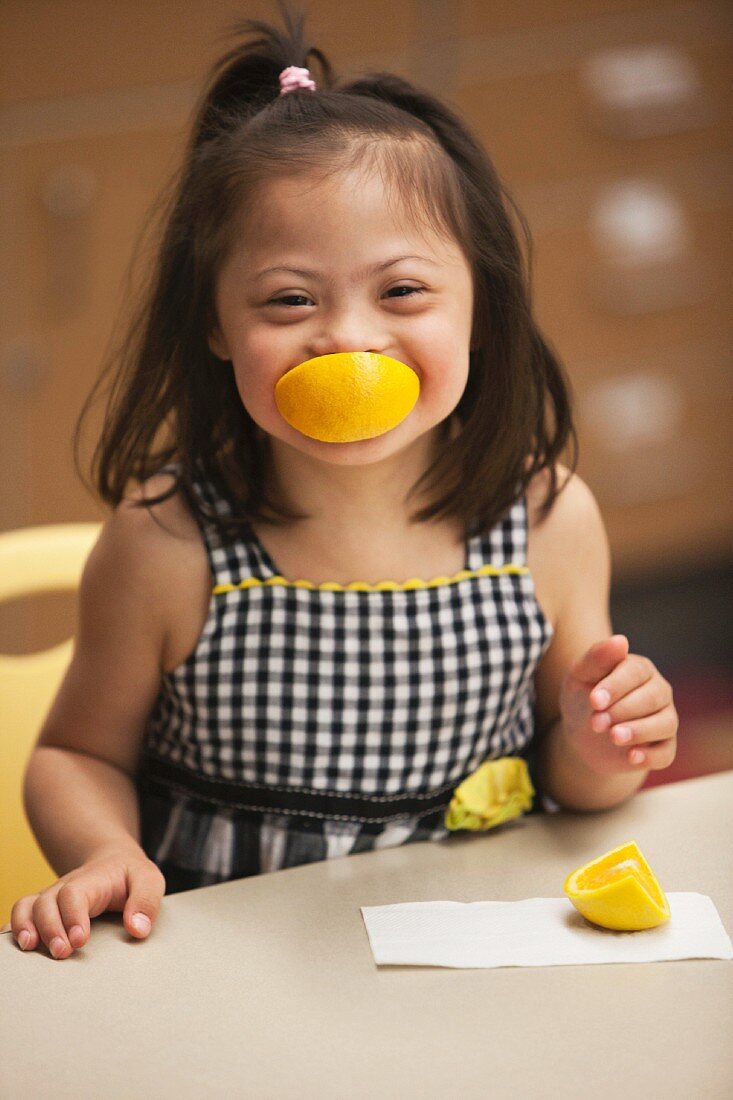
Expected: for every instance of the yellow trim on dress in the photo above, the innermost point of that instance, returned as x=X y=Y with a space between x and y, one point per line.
x=381 y=586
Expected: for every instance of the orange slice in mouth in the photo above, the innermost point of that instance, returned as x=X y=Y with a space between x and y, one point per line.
x=618 y=891
x=347 y=396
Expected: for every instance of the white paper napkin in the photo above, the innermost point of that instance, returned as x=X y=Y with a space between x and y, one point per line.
x=535 y=932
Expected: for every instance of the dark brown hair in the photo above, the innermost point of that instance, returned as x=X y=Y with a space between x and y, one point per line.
x=168 y=405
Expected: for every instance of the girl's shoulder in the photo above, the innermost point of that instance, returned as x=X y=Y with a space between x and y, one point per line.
x=137 y=598
x=168 y=525
x=556 y=543
x=574 y=503
x=171 y=561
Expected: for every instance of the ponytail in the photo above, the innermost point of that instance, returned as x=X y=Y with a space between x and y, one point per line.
x=247 y=78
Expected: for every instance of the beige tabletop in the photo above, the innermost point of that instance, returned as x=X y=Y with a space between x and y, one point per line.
x=267 y=988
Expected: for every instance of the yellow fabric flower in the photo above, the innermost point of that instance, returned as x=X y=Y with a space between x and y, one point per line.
x=496 y=792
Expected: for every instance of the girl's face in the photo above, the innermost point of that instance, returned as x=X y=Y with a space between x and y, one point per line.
x=350 y=276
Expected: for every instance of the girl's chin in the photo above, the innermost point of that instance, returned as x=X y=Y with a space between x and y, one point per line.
x=405 y=434
x=349 y=453
x=354 y=449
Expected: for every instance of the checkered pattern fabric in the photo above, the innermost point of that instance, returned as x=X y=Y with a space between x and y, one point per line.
x=312 y=722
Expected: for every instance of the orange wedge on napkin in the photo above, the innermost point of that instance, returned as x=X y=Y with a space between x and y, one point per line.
x=619 y=891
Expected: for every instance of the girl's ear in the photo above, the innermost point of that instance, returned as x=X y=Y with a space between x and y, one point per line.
x=217 y=345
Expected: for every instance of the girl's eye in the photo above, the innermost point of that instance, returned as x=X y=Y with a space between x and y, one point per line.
x=288 y=298
x=412 y=289
x=292 y=301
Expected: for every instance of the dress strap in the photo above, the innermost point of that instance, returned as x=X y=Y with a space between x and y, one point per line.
x=230 y=562
x=505 y=543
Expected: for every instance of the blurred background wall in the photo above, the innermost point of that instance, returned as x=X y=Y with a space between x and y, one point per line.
x=611 y=123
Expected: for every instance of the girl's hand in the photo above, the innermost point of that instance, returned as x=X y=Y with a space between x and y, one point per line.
x=119 y=877
x=617 y=710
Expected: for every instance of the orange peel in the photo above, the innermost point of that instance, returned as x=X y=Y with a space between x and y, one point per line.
x=347 y=396
x=618 y=890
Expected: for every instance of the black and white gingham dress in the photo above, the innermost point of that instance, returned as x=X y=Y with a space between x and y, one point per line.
x=317 y=721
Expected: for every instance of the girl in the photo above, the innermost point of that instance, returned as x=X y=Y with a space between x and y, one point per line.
x=292 y=648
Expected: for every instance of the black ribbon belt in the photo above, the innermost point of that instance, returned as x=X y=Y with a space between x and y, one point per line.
x=298 y=801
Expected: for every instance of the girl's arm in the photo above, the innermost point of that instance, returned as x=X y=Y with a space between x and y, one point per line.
x=79 y=786
x=593 y=753
x=77 y=805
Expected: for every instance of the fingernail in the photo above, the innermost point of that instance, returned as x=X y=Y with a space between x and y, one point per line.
x=77 y=934
x=622 y=734
x=24 y=939
x=601 y=698
x=141 y=923
x=636 y=756
x=57 y=947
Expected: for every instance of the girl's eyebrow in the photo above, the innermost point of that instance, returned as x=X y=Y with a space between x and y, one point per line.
x=375 y=269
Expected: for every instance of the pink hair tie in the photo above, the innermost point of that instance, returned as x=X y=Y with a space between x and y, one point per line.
x=293 y=78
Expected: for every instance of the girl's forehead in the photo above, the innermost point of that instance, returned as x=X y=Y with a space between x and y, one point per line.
x=297 y=201
x=303 y=211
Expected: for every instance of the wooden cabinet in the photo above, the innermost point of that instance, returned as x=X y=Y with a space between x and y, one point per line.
x=647 y=343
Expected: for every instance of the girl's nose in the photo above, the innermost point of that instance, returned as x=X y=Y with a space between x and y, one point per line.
x=331 y=347
x=347 y=334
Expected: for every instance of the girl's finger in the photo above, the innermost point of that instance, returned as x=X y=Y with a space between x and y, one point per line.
x=653 y=727
x=47 y=920
x=655 y=755
x=628 y=675
x=73 y=903
x=654 y=696
x=21 y=921
x=146 y=890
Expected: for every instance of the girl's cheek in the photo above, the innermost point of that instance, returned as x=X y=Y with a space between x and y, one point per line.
x=441 y=393
x=256 y=384
x=445 y=373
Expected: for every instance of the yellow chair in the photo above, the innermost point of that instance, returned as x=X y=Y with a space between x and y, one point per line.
x=32 y=560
